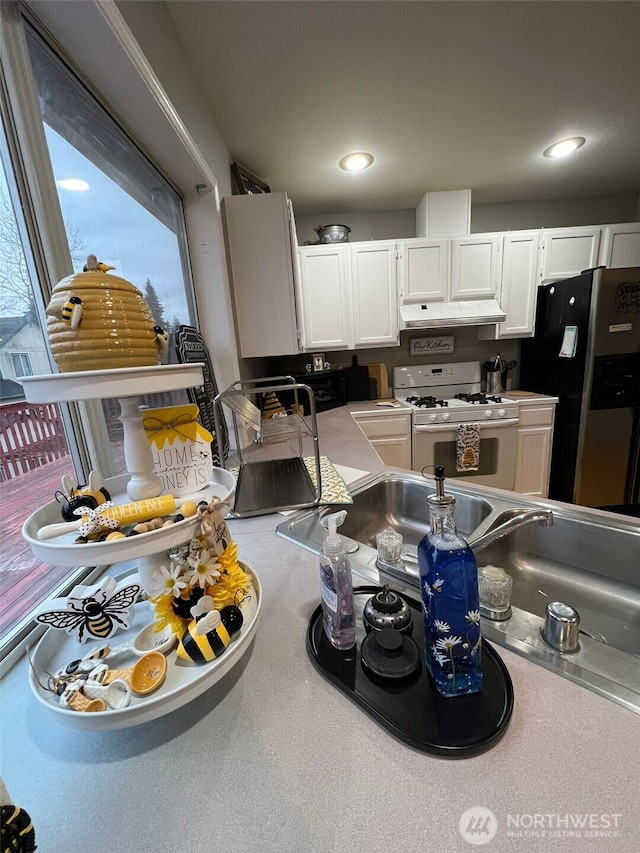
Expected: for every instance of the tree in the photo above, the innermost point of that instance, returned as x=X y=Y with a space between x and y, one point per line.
x=151 y=298
x=16 y=292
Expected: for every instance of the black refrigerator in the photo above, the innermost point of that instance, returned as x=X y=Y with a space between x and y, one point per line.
x=586 y=352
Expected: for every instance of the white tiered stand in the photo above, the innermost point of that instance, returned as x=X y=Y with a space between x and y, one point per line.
x=127 y=385
x=183 y=683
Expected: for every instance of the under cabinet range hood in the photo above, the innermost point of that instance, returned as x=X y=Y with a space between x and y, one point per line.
x=429 y=315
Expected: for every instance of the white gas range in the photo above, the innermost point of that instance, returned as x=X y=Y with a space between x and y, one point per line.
x=444 y=396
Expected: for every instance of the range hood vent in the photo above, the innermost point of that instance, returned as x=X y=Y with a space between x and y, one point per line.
x=433 y=315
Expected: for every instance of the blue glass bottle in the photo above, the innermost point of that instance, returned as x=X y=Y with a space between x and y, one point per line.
x=450 y=606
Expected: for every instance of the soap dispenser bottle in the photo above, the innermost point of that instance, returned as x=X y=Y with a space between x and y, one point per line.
x=336 y=586
x=449 y=589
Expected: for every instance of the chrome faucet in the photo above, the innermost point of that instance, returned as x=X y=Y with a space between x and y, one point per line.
x=515 y=520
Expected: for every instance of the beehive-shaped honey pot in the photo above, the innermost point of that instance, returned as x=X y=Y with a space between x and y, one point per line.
x=99 y=321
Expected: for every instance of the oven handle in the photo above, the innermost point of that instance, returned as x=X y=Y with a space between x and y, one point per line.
x=509 y=422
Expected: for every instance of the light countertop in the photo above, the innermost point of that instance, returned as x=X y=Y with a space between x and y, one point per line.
x=273 y=758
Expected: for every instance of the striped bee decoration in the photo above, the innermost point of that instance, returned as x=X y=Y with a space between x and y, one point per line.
x=199 y=647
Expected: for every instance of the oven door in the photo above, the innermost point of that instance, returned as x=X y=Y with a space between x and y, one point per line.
x=435 y=444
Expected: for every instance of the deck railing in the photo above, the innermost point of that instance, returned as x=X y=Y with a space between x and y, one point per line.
x=30 y=436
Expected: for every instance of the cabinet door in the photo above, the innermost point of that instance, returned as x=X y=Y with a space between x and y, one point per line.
x=261 y=259
x=325 y=297
x=568 y=251
x=518 y=283
x=395 y=452
x=374 y=294
x=390 y=435
x=533 y=460
x=424 y=270
x=621 y=245
x=475 y=266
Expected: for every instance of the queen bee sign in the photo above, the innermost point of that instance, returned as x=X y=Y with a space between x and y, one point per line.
x=181 y=448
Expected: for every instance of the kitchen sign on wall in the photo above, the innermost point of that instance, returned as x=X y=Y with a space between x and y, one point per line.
x=431 y=346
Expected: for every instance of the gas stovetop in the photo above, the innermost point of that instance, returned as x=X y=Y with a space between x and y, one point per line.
x=441 y=393
x=431 y=402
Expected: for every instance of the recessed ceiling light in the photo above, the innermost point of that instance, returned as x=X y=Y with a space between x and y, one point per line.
x=73 y=184
x=566 y=146
x=356 y=162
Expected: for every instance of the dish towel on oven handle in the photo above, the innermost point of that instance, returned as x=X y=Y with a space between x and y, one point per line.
x=468 y=447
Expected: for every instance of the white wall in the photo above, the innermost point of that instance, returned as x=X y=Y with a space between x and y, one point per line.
x=509 y=216
x=554 y=213
x=371 y=225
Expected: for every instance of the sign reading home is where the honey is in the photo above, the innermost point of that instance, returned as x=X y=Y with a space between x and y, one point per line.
x=181 y=448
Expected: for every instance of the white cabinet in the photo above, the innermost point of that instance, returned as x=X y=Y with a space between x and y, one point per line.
x=348 y=295
x=533 y=450
x=620 y=245
x=449 y=270
x=475 y=266
x=325 y=297
x=566 y=252
x=374 y=294
x=261 y=257
x=389 y=434
x=518 y=286
x=424 y=270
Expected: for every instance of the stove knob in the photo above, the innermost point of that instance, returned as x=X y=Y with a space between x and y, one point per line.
x=445 y=416
x=488 y=413
x=432 y=418
x=501 y=413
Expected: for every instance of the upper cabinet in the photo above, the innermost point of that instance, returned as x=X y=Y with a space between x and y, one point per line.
x=620 y=245
x=260 y=240
x=475 y=266
x=424 y=270
x=374 y=294
x=348 y=295
x=449 y=270
x=518 y=284
x=325 y=297
x=568 y=251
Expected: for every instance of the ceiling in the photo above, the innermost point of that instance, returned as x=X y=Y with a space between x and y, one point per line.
x=445 y=95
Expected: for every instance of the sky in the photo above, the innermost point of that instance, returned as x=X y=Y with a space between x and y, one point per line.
x=118 y=230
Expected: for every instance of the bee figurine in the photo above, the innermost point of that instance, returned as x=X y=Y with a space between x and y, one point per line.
x=95 y=612
x=74 y=497
x=161 y=338
x=72 y=311
x=206 y=638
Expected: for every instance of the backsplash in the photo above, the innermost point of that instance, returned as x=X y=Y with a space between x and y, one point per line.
x=466 y=347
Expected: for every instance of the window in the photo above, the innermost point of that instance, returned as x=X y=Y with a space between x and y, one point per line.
x=115 y=204
x=21 y=364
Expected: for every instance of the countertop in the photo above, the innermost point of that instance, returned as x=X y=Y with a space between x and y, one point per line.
x=274 y=759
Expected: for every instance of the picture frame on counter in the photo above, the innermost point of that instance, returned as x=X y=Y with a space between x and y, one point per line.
x=318 y=362
x=436 y=345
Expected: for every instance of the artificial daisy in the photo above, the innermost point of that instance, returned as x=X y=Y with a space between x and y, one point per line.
x=473 y=617
x=167 y=581
x=204 y=569
x=441 y=626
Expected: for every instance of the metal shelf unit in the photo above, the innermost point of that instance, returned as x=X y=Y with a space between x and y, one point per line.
x=270 y=481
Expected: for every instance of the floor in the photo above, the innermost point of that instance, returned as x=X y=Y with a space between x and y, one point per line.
x=24 y=580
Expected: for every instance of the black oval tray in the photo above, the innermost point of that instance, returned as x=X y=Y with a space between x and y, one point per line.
x=412 y=709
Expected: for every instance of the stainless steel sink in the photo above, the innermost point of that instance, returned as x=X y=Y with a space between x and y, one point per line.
x=401 y=503
x=587 y=559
